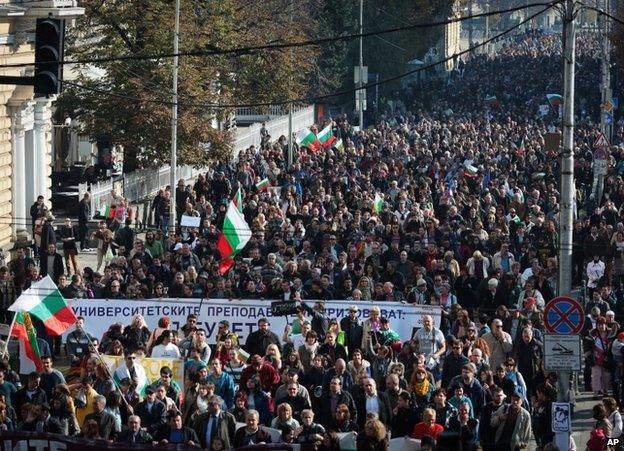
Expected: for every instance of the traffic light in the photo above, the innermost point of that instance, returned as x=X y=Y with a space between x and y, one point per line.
x=49 y=39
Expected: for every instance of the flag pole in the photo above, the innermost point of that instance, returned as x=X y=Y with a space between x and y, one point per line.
x=6 y=344
x=110 y=374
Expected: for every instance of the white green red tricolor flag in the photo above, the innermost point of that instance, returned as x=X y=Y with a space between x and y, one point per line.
x=263 y=184
x=492 y=101
x=339 y=145
x=234 y=235
x=326 y=137
x=378 y=204
x=30 y=356
x=306 y=138
x=44 y=300
x=554 y=99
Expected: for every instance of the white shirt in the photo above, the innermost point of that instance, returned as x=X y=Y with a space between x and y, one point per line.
x=168 y=351
x=595 y=270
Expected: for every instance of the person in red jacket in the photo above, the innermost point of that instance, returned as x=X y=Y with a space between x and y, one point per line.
x=428 y=427
x=269 y=377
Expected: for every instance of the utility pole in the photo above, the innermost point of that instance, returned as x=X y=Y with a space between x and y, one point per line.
x=487 y=27
x=289 y=158
x=605 y=87
x=470 y=27
x=174 y=118
x=361 y=81
x=567 y=198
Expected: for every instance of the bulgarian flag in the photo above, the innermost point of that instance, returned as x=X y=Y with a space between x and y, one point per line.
x=339 y=145
x=378 y=204
x=492 y=101
x=44 y=300
x=30 y=356
x=306 y=138
x=520 y=147
x=326 y=137
x=263 y=184
x=470 y=171
x=108 y=212
x=554 y=99
x=234 y=236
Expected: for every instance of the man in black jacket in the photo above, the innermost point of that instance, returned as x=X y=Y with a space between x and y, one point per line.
x=215 y=423
x=134 y=434
x=487 y=433
x=331 y=400
x=84 y=215
x=372 y=401
x=258 y=340
x=331 y=348
x=51 y=263
x=105 y=420
x=353 y=330
x=320 y=321
x=31 y=393
x=152 y=412
x=453 y=363
x=174 y=432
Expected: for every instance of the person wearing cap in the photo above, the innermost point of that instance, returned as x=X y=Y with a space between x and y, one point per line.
x=353 y=330
x=152 y=412
x=419 y=294
x=513 y=425
x=598 y=357
x=530 y=292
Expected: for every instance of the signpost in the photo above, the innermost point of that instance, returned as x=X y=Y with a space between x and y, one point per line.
x=564 y=318
x=562 y=352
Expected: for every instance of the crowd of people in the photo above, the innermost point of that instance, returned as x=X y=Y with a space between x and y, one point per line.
x=469 y=223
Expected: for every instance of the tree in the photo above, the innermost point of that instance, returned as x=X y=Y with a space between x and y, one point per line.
x=137 y=116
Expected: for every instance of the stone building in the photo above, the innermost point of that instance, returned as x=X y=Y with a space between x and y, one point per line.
x=25 y=121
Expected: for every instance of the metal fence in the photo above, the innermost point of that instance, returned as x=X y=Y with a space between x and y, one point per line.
x=145 y=183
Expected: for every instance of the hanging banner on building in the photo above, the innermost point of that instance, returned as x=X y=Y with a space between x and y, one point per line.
x=243 y=314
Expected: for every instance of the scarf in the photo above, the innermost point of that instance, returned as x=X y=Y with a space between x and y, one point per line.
x=421 y=388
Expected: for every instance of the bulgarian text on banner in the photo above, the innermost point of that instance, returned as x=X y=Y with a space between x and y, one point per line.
x=242 y=314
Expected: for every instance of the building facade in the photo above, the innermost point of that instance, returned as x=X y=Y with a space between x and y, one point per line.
x=25 y=121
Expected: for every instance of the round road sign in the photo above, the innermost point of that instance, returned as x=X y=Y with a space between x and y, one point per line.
x=564 y=315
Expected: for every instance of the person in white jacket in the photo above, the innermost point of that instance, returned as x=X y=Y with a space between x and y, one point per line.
x=478 y=266
x=133 y=370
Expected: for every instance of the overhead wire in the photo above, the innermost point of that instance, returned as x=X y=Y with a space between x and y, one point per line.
x=325 y=96
x=280 y=46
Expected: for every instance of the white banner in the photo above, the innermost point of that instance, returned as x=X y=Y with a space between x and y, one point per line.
x=243 y=314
